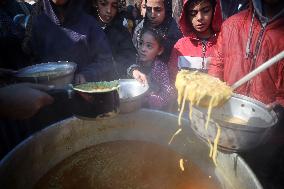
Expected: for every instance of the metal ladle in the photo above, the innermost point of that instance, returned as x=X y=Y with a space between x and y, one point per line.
x=258 y=70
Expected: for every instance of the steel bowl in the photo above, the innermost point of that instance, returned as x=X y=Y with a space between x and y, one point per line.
x=236 y=137
x=59 y=74
x=131 y=94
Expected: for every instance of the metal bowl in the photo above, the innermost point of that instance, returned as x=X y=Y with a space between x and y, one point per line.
x=235 y=137
x=59 y=74
x=131 y=94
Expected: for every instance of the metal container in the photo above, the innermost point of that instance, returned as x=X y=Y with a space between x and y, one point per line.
x=59 y=74
x=34 y=157
x=131 y=94
x=90 y=104
x=235 y=137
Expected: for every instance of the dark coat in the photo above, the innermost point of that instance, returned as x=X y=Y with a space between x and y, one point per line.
x=78 y=39
x=123 y=50
x=11 y=35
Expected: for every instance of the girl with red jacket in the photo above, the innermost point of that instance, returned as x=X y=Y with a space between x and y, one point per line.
x=200 y=22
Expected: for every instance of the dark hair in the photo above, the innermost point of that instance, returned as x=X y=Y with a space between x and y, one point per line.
x=193 y=2
x=158 y=34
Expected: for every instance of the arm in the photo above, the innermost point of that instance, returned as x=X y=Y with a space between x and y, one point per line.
x=133 y=71
x=166 y=92
x=22 y=101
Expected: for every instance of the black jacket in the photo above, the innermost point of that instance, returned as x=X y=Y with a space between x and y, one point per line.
x=123 y=50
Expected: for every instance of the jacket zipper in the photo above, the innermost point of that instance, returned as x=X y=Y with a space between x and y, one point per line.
x=255 y=54
x=203 y=42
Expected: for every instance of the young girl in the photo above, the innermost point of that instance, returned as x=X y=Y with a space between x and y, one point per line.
x=159 y=16
x=200 y=22
x=151 y=46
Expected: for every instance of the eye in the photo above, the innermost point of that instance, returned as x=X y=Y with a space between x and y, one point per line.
x=140 y=43
x=114 y=5
x=193 y=12
x=148 y=9
x=158 y=9
x=206 y=10
x=149 y=46
x=102 y=3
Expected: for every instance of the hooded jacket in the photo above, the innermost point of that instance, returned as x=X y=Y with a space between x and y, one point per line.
x=191 y=52
x=78 y=38
x=247 y=40
x=169 y=28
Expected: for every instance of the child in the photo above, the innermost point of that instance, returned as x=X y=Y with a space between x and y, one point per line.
x=200 y=25
x=151 y=46
x=159 y=16
x=108 y=14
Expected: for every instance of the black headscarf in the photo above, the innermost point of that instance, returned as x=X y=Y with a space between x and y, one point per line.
x=164 y=26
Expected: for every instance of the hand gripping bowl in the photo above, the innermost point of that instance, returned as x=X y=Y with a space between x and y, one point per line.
x=59 y=74
x=235 y=137
x=131 y=94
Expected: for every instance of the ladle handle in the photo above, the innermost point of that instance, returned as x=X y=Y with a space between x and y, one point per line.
x=258 y=70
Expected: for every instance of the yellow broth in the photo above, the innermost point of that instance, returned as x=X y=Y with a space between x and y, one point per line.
x=127 y=164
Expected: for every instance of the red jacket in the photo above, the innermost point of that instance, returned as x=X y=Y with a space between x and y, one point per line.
x=238 y=39
x=190 y=51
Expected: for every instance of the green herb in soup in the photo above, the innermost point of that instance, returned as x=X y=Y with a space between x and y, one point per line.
x=102 y=86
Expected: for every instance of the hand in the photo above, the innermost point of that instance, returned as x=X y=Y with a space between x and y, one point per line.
x=22 y=101
x=271 y=106
x=79 y=79
x=139 y=76
x=277 y=108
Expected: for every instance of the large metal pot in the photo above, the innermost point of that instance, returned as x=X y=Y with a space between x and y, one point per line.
x=236 y=136
x=30 y=160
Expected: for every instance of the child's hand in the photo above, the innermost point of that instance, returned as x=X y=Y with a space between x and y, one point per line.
x=139 y=76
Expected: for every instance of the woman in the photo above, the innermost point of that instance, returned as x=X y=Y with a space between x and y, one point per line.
x=108 y=14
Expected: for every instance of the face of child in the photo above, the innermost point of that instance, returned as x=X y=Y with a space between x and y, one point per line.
x=200 y=15
x=155 y=12
x=149 y=48
x=107 y=10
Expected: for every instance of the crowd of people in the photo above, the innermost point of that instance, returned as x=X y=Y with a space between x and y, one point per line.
x=149 y=40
